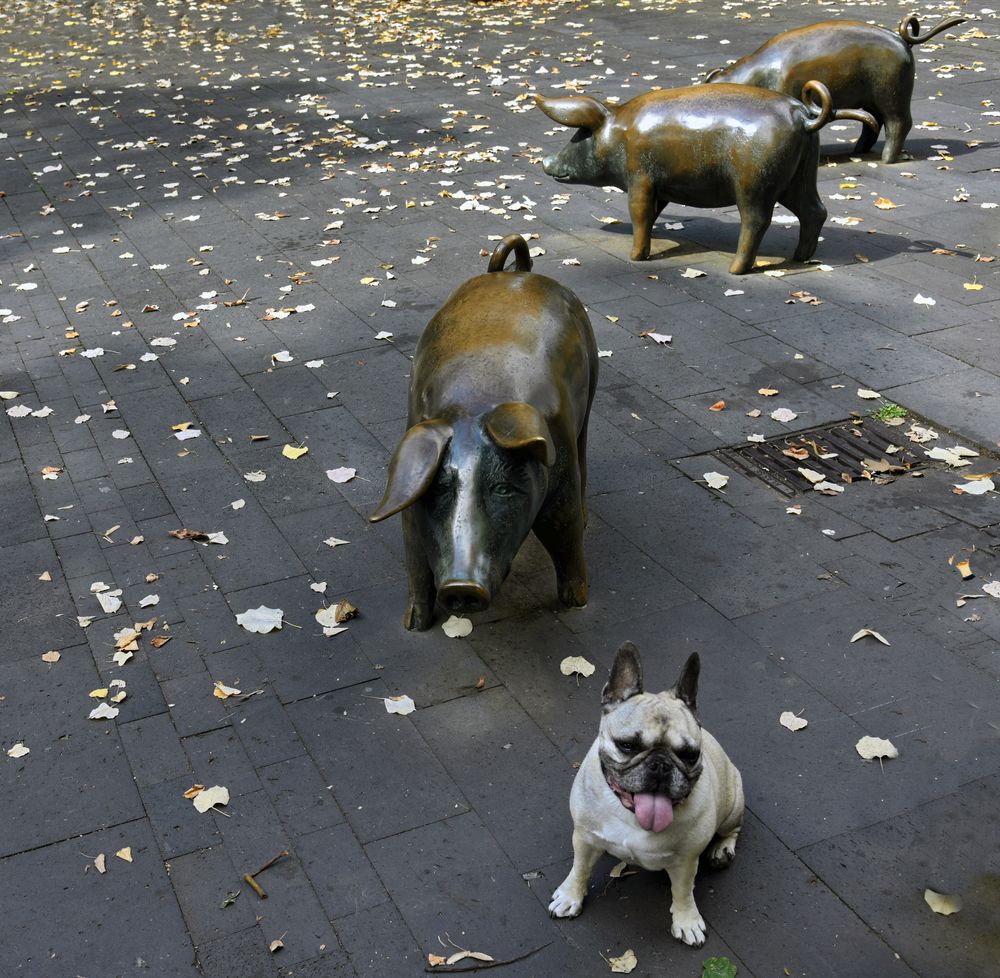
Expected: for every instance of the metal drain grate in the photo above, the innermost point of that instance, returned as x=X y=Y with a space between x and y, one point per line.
x=841 y=452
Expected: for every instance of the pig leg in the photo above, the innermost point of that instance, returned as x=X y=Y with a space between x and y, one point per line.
x=802 y=199
x=419 y=614
x=642 y=208
x=896 y=130
x=755 y=219
x=559 y=527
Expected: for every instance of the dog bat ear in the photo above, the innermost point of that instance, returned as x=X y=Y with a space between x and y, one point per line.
x=625 y=680
x=686 y=688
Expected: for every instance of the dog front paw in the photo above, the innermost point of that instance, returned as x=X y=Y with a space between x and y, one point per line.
x=565 y=904
x=689 y=928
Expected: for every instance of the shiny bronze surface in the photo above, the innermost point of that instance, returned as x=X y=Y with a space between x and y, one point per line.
x=864 y=67
x=703 y=146
x=503 y=378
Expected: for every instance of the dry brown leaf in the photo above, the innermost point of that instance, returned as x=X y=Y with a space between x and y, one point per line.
x=99 y=863
x=718 y=406
x=869 y=632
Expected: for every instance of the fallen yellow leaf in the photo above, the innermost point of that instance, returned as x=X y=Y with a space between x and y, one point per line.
x=290 y=451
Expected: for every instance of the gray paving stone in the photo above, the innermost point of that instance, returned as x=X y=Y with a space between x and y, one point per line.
x=379 y=943
x=457 y=892
x=494 y=752
x=292 y=912
x=110 y=922
x=46 y=709
x=340 y=872
x=153 y=750
x=884 y=869
x=217 y=757
x=342 y=729
x=795 y=922
x=202 y=880
x=42 y=608
x=300 y=796
x=178 y=828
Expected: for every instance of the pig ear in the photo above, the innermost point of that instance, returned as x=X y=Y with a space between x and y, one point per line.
x=518 y=425
x=413 y=467
x=580 y=111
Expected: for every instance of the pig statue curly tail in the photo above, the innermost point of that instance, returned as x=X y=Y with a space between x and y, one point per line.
x=515 y=243
x=819 y=105
x=909 y=28
x=816 y=97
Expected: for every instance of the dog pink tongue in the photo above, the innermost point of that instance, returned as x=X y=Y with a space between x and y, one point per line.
x=654 y=812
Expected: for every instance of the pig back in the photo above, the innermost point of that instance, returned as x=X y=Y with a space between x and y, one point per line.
x=849 y=57
x=700 y=142
x=502 y=337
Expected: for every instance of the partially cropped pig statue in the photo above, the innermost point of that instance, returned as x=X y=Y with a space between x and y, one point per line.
x=863 y=66
x=502 y=383
x=703 y=146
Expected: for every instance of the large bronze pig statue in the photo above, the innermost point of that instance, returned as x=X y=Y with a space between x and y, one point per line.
x=703 y=146
x=502 y=383
x=864 y=67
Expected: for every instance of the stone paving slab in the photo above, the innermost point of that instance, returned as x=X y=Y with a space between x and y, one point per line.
x=241 y=218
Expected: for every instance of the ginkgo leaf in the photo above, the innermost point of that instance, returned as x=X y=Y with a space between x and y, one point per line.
x=210 y=797
x=783 y=415
x=110 y=601
x=693 y=273
x=456 y=627
x=923 y=300
x=576 y=664
x=342 y=474
x=18 y=750
x=871 y=633
x=223 y=692
x=791 y=721
x=261 y=619
x=292 y=452
x=660 y=338
x=125 y=854
x=402 y=705
x=942 y=903
x=977 y=488
x=624 y=964
x=868 y=395
x=103 y=712
x=257 y=476
x=716 y=480
x=52 y=656
x=872 y=747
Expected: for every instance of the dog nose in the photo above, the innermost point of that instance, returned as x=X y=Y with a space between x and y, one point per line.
x=462 y=597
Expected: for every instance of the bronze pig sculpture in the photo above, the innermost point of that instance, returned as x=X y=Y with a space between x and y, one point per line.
x=864 y=67
x=703 y=146
x=500 y=393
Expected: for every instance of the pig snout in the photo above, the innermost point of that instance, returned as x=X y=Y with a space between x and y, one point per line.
x=463 y=597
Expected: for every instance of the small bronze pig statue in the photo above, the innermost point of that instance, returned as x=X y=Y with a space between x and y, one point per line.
x=502 y=383
x=703 y=146
x=864 y=67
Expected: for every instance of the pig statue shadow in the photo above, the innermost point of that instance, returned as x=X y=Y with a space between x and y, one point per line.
x=503 y=379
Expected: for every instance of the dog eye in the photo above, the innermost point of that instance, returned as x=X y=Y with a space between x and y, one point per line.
x=629 y=746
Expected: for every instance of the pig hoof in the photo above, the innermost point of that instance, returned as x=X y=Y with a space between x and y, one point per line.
x=640 y=254
x=418 y=619
x=573 y=594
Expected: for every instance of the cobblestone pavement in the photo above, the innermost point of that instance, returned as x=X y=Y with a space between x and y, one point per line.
x=237 y=217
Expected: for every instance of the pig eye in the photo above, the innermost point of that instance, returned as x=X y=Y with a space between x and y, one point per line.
x=505 y=489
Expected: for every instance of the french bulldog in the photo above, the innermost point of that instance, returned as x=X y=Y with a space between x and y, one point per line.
x=656 y=790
